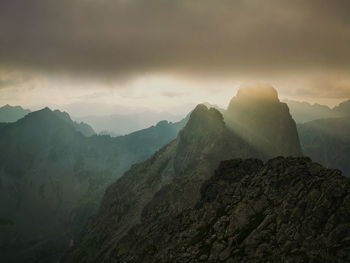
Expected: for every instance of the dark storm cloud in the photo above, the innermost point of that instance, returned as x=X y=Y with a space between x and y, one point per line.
x=193 y=37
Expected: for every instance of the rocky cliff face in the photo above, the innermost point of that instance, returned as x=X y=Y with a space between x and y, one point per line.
x=286 y=210
x=258 y=117
x=167 y=183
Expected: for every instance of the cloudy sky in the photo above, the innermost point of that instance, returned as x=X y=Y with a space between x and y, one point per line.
x=170 y=54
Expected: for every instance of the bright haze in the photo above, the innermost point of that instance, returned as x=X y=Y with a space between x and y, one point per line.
x=106 y=56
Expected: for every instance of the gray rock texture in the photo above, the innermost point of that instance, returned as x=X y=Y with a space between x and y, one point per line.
x=286 y=210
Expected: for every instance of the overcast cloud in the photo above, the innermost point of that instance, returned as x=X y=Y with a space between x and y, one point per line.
x=193 y=38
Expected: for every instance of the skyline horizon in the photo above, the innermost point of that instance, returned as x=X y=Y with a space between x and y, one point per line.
x=80 y=108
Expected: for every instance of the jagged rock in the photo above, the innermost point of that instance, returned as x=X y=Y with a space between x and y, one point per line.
x=161 y=186
x=286 y=210
x=257 y=116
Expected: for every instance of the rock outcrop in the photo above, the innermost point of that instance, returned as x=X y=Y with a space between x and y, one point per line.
x=286 y=210
x=168 y=183
x=259 y=118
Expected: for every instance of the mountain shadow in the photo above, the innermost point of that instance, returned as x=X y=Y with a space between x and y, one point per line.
x=52 y=178
x=259 y=118
x=327 y=141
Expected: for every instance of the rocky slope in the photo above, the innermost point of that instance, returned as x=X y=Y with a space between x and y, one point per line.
x=169 y=182
x=327 y=141
x=286 y=210
x=52 y=178
x=259 y=118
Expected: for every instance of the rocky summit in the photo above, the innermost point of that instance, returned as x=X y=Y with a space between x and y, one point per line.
x=286 y=210
x=168 y=183
x=175 y=207
x=259 y=118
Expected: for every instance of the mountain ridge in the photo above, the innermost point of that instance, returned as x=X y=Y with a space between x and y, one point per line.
x=49 y=170
x=251 y=211
x=10 y=113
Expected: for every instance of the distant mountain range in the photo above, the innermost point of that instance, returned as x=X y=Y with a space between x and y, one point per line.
x=154 y=196
x=12 y=113
x=327 y=141
x=52 y=178
x=120 y=124
x=304 y=111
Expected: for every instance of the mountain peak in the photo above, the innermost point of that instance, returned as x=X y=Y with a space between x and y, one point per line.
x=49 y=118
x=203 y=121
x=10 y=113
x=202 y=111
x=46 y=109
x=257 y=116
x=258 y=92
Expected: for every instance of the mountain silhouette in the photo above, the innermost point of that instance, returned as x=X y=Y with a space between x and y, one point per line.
x=52 y=178
x=327 y=141
x=259 y=118
x=304 y=112
x=170 y=180
x=10 y=113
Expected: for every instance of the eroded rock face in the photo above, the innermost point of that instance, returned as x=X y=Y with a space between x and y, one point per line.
x=287 y=210
x=259 y=118
x=167 y=183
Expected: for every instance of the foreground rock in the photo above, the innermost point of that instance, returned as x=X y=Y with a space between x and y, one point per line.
x=287 y=210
